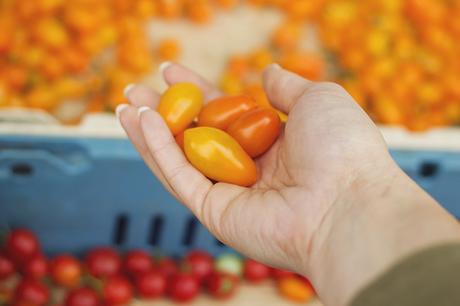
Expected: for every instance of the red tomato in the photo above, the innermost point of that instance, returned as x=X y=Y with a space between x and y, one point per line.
x=254 y=271
x=200 y=263
x=66 y=271
x=6 y=267
x=31 y=291
x=82 y=297
x=36 y=267
x=183 y=287
x=256 y=130
x=151 y=284
x=103 y=262
x=221 y=112
x=221 y=285
x=21 y=245
x=167 y=266
x=137 y=262
x=278 y=274
x=117 y=291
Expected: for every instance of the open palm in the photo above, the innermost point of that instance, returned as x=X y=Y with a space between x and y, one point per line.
x=327 y=145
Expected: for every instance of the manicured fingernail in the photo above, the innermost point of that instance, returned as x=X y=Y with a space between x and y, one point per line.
x=128 y=89
x=142 y=109
x=120 y=108
x=163 y=66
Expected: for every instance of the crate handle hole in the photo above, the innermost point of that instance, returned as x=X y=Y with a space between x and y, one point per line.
x=22 y=169
x=220 y=243
x=156 y=230
x=121 y=228
x=428 y=169
x=189 y=235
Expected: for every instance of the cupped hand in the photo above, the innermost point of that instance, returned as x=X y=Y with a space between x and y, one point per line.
x=327 y=144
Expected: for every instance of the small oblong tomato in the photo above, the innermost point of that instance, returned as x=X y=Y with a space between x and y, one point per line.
x=221 y=112
x=179 y=106
x=219 y=157
x=256 y=130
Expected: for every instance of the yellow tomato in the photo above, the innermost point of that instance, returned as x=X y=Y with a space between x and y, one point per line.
x=179 y=106
x=219 y=157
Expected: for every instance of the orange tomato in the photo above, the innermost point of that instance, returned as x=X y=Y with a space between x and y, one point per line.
x=219 y=157
x=295 y=289
x=179 y=106
x=169 y=49
x=221 y=112
x=307 y=65
x=256 y=130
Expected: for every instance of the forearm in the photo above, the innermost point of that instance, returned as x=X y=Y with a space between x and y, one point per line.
x=372 y=227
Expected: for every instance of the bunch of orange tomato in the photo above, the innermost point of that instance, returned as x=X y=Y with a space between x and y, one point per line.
x=398 y=58
x=221 y=138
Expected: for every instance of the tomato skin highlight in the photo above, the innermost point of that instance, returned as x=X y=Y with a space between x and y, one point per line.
x=256 y=130
x=179 y=105
x=66 y=271
x=21 y=245
x=222 y=285
x=221 y=112
x=219 y=157
x=137 y=262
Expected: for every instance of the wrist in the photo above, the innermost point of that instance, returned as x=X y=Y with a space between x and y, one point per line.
x=374 y=223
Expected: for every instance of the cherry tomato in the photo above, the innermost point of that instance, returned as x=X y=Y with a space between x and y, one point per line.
x=66 y=271
x=255 y=272
x=295 y=289
x=200 y=263
x=167 y=266
x=31 y=291
x=229 y=263
x=82 y=297
x=218 y=156
x=256 y=130
x=6 y=267
x=278 y=274
x=36 y=267
x=179 y=106
x=180 y=139
x=137 y=262
x=117 y=291
x=183 y=287
x=221 y=112
x=221 y=285
x=151 y=284
x=103 y=262
x=21 y=245
x=307 y=282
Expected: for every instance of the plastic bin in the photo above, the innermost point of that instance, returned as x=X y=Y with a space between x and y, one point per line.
x=83 y=187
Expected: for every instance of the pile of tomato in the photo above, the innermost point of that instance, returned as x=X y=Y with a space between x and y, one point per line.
x=222 y=137
x=398 y=58
x=105 y=277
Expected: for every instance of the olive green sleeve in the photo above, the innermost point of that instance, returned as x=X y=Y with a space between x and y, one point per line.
x=428 y=278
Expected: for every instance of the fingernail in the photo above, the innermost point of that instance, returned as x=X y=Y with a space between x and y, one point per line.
x=119 y=109
x=128 y=89
x=163 y=66
x=274 y=66
x=142 y=109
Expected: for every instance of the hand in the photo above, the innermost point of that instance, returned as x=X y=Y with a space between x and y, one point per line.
x=329 y=158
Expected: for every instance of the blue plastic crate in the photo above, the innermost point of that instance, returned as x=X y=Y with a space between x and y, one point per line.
x=77 y=193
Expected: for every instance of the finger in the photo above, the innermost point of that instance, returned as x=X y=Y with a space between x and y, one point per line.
x=284 y=88
x=129 y=119
x=190 y=185
x=141 y=95
x=175 y=73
